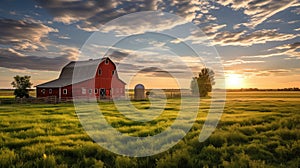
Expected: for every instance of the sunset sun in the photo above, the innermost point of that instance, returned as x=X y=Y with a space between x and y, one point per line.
x=234 y=81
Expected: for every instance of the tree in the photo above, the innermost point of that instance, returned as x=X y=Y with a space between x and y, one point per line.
x=22 y=85
x=203 y=83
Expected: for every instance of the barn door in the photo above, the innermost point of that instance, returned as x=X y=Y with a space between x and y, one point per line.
x=102 y=93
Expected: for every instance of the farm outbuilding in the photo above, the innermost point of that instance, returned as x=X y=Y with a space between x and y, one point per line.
x=139 y=92
x=85 y=79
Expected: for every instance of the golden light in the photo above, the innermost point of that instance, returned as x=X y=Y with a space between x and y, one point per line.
x=234 y=81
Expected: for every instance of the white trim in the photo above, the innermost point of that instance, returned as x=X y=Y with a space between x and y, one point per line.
x=83 y=91
x=65 y=91
x=59 y=94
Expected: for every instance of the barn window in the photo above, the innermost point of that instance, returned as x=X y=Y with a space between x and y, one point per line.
x=106 y=61
x=50 y=91
x=65 y=91
x=43 y=91
x=99 y=71
x=90 y=91
x=96 y=91
x=83 y=91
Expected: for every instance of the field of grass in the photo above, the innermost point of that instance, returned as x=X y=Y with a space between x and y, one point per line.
x=257 y=129
x=9 y=93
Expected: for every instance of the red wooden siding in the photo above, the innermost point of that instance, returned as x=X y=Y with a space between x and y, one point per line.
x=107 y=80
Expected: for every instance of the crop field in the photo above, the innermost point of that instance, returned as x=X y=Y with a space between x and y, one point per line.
x=257 y=129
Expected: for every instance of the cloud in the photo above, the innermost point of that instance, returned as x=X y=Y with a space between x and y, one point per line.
x=239 y=61
x=258 y=10
x=118 y=55
x=297 y=11
x=23 y=34
x=10 y=60
x=142 y=22
x=90 y=15
x=279 y=70
x=13 y=60
x=274 y=72
x=212 y=28
x=289 y=49
x=242 y=38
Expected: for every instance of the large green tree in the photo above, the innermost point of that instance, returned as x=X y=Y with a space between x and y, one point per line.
x=22 y=85
x=202 y=84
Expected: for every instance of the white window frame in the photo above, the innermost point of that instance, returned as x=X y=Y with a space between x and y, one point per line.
x=65 y=91
x=83 y=91
x=43 y=91
x=90 y=91
x=50 y=91
x=96 y=91
x=106 y=61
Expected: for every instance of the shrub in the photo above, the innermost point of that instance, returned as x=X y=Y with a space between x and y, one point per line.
x=209 y=156
x=258 y=152
x=7 y=158
x=125 y=162
x=217 y=139
x=179 y=158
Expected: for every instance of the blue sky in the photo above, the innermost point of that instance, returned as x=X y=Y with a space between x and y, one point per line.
x=257 y=41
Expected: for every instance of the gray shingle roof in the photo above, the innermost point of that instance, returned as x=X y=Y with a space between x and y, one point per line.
x=74 y=72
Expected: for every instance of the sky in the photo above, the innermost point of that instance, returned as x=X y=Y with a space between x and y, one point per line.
x=252 y=43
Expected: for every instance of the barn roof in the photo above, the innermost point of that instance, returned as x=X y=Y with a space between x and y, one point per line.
x=75 y=72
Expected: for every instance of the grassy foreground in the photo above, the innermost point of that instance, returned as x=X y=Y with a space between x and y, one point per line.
x=257 y=129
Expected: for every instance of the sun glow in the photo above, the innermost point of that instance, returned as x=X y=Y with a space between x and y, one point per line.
x=234 y=81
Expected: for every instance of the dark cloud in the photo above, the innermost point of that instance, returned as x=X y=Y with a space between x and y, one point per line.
x=258 y=10
x=157 y=72
x=243 y=38
x=23 y=34
x=91 y=14
x=9 y=59
x=289 y=49
x=118 y=55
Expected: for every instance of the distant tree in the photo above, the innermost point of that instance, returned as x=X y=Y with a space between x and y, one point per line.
x=22 y=85
x=202 y=84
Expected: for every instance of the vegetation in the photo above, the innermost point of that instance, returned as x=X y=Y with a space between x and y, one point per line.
x=202 y=84
x=257 y=129
x=22 y=85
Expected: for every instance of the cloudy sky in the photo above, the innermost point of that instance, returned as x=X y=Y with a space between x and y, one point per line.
x=257 y=42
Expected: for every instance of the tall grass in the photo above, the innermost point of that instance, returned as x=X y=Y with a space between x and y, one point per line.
x=260 y=131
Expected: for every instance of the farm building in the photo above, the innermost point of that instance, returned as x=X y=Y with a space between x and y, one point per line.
x=85 y=79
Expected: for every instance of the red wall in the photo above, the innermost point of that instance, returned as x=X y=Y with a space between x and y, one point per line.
x=44 y=92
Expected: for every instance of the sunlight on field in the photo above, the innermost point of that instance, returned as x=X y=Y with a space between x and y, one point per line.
x=257 y=129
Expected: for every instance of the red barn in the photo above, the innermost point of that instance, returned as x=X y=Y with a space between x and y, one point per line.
x=85 y=79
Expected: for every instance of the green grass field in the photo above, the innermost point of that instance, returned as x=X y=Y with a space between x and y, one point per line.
x=257 y=129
